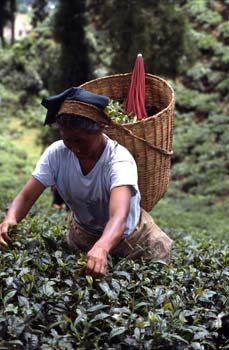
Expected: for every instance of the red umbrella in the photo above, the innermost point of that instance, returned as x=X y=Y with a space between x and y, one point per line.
x=135 y=103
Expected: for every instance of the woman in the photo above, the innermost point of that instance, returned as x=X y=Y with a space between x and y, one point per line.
x=97 y=178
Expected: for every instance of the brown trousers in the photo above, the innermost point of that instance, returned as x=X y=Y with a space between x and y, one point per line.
x=146 y=241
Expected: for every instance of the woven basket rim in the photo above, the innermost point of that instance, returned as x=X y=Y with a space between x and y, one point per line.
x=149 y=75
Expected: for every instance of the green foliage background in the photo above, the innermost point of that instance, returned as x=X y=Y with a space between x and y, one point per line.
x=46 y=302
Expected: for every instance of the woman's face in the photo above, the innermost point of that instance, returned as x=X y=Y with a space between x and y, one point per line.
x=83 y=144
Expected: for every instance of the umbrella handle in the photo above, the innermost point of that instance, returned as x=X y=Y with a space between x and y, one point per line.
x=159 y=149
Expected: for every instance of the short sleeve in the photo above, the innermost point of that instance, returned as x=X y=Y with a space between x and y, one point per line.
x=123 y=171
x=44 y=172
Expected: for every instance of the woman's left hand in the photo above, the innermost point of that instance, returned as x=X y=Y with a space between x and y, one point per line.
x=97 y=261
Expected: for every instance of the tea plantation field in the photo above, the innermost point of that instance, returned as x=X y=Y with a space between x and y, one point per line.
x=47 y=302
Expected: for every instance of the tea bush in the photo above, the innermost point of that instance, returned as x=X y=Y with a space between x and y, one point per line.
x=208 y=44
x=223 y=88
x=221 y=60
x=12 y=163
x=189 y=99
x=48 y=303
x=204 y=13
x=224 y=32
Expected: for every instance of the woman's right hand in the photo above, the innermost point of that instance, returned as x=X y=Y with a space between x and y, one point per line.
x=20 y=207
x=4 y=233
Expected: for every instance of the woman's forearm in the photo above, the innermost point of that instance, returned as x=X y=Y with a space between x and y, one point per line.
x=23 y=202
x=112 y=233
x=18 y=209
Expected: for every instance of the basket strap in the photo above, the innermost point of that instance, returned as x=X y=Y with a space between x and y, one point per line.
x=159 y=149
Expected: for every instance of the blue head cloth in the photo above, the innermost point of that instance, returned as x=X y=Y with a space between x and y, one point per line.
x=53 y=103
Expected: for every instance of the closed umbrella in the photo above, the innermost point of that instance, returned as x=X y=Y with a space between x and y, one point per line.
x=135 y=103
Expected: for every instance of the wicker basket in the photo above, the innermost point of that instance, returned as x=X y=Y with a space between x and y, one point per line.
x=148 y=140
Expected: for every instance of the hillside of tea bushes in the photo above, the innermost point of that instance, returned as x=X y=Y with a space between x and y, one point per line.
x=46 y=301
x=200 y=169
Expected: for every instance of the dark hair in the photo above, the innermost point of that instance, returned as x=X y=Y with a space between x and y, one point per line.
x=65 y=120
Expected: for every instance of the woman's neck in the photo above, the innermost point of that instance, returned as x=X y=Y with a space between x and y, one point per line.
x=87 y=164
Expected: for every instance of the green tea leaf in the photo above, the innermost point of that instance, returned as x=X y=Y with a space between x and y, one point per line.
x=117 y=331
x=100 y=316
x=9 y=296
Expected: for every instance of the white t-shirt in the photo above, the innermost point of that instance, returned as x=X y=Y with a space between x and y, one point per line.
x=88 y=195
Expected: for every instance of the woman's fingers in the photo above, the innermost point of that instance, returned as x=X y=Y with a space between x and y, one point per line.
x=4 y=237
x=96 y=268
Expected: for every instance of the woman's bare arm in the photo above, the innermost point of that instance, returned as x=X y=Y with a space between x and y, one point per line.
x=118 y=212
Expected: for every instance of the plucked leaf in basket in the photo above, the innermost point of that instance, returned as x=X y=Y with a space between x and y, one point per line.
x=115 y=110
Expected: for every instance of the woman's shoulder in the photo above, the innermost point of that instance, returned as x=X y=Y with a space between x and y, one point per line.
x=56 y=149
x=118 y=151
x=56 y=146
